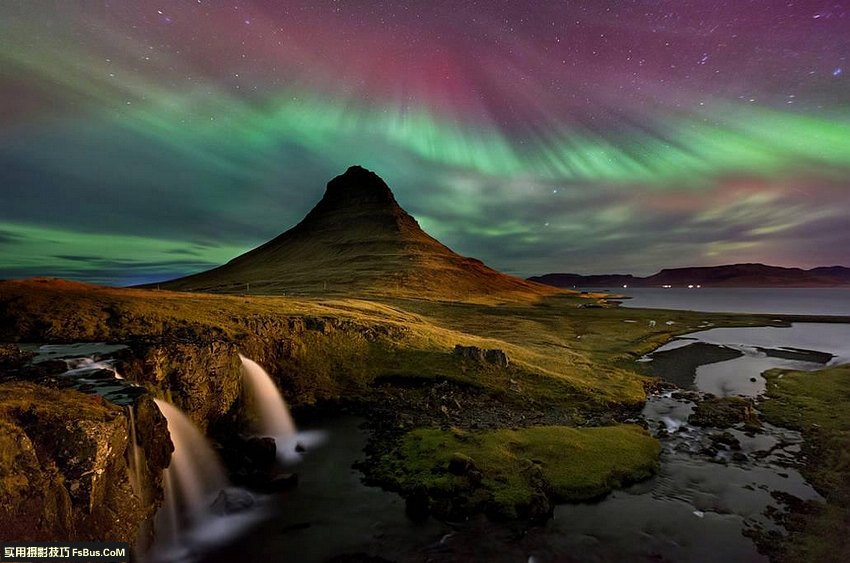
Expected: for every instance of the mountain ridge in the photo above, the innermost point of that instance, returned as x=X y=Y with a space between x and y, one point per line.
x=727 y=275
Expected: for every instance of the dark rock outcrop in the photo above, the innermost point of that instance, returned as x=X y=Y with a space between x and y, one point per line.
x=496 y=357
x=723 y=412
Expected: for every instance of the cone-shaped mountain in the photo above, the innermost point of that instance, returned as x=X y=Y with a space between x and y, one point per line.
x=357 y=239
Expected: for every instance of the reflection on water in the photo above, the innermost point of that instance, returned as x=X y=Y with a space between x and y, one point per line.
x=802 y=346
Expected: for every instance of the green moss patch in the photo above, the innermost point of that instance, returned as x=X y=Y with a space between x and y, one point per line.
x=517 y=473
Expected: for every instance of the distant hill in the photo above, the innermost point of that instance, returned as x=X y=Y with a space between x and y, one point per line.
x=732 y=275
x=358 y=239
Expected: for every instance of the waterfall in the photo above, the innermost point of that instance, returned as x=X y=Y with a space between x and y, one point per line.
x=194 y=476
x=89 y=365
x=274 y=418
x=135 y=455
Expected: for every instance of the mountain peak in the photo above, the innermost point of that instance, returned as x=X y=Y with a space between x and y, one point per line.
x=357 y=185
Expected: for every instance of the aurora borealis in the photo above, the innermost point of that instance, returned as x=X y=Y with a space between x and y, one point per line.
x=144 y=140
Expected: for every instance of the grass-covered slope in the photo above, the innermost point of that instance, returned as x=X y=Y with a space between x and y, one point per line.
x=560 y=353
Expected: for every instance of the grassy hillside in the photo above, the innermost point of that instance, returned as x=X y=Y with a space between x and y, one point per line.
x=560 y=351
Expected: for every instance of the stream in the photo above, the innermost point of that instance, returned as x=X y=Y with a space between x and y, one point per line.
x=697 y=508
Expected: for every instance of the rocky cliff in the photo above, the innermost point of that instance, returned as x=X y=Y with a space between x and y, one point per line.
x=65 y=466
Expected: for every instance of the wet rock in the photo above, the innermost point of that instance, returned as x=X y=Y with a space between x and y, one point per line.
x=725 y=439
x=282 y=482
x=231 y=501
x=724 y=412
x=260 y=450
x=709 y=451
x=250 y=460
x=740 y=457
x=539 y=507
x=11 y=355
x=692 y=396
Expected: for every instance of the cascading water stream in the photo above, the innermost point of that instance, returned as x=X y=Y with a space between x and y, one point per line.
x=273 y=414
x=89 y=364
x=194 y=477
x=136 y=475
x=273 y=418
x=201 y=509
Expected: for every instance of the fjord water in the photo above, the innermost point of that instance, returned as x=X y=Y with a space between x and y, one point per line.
x=779 y=301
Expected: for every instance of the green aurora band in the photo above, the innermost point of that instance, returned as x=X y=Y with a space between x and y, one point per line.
x=235 y=136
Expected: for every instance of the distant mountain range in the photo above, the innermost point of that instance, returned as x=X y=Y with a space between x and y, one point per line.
x=358 y=240
x=731 y=275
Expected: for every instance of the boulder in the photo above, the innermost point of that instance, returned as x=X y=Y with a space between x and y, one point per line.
x=231 y=501
x=496 y=357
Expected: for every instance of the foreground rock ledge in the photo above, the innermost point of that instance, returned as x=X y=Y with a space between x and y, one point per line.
x=63 y=466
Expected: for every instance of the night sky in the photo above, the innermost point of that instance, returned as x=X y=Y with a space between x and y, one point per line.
x=144 y=140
